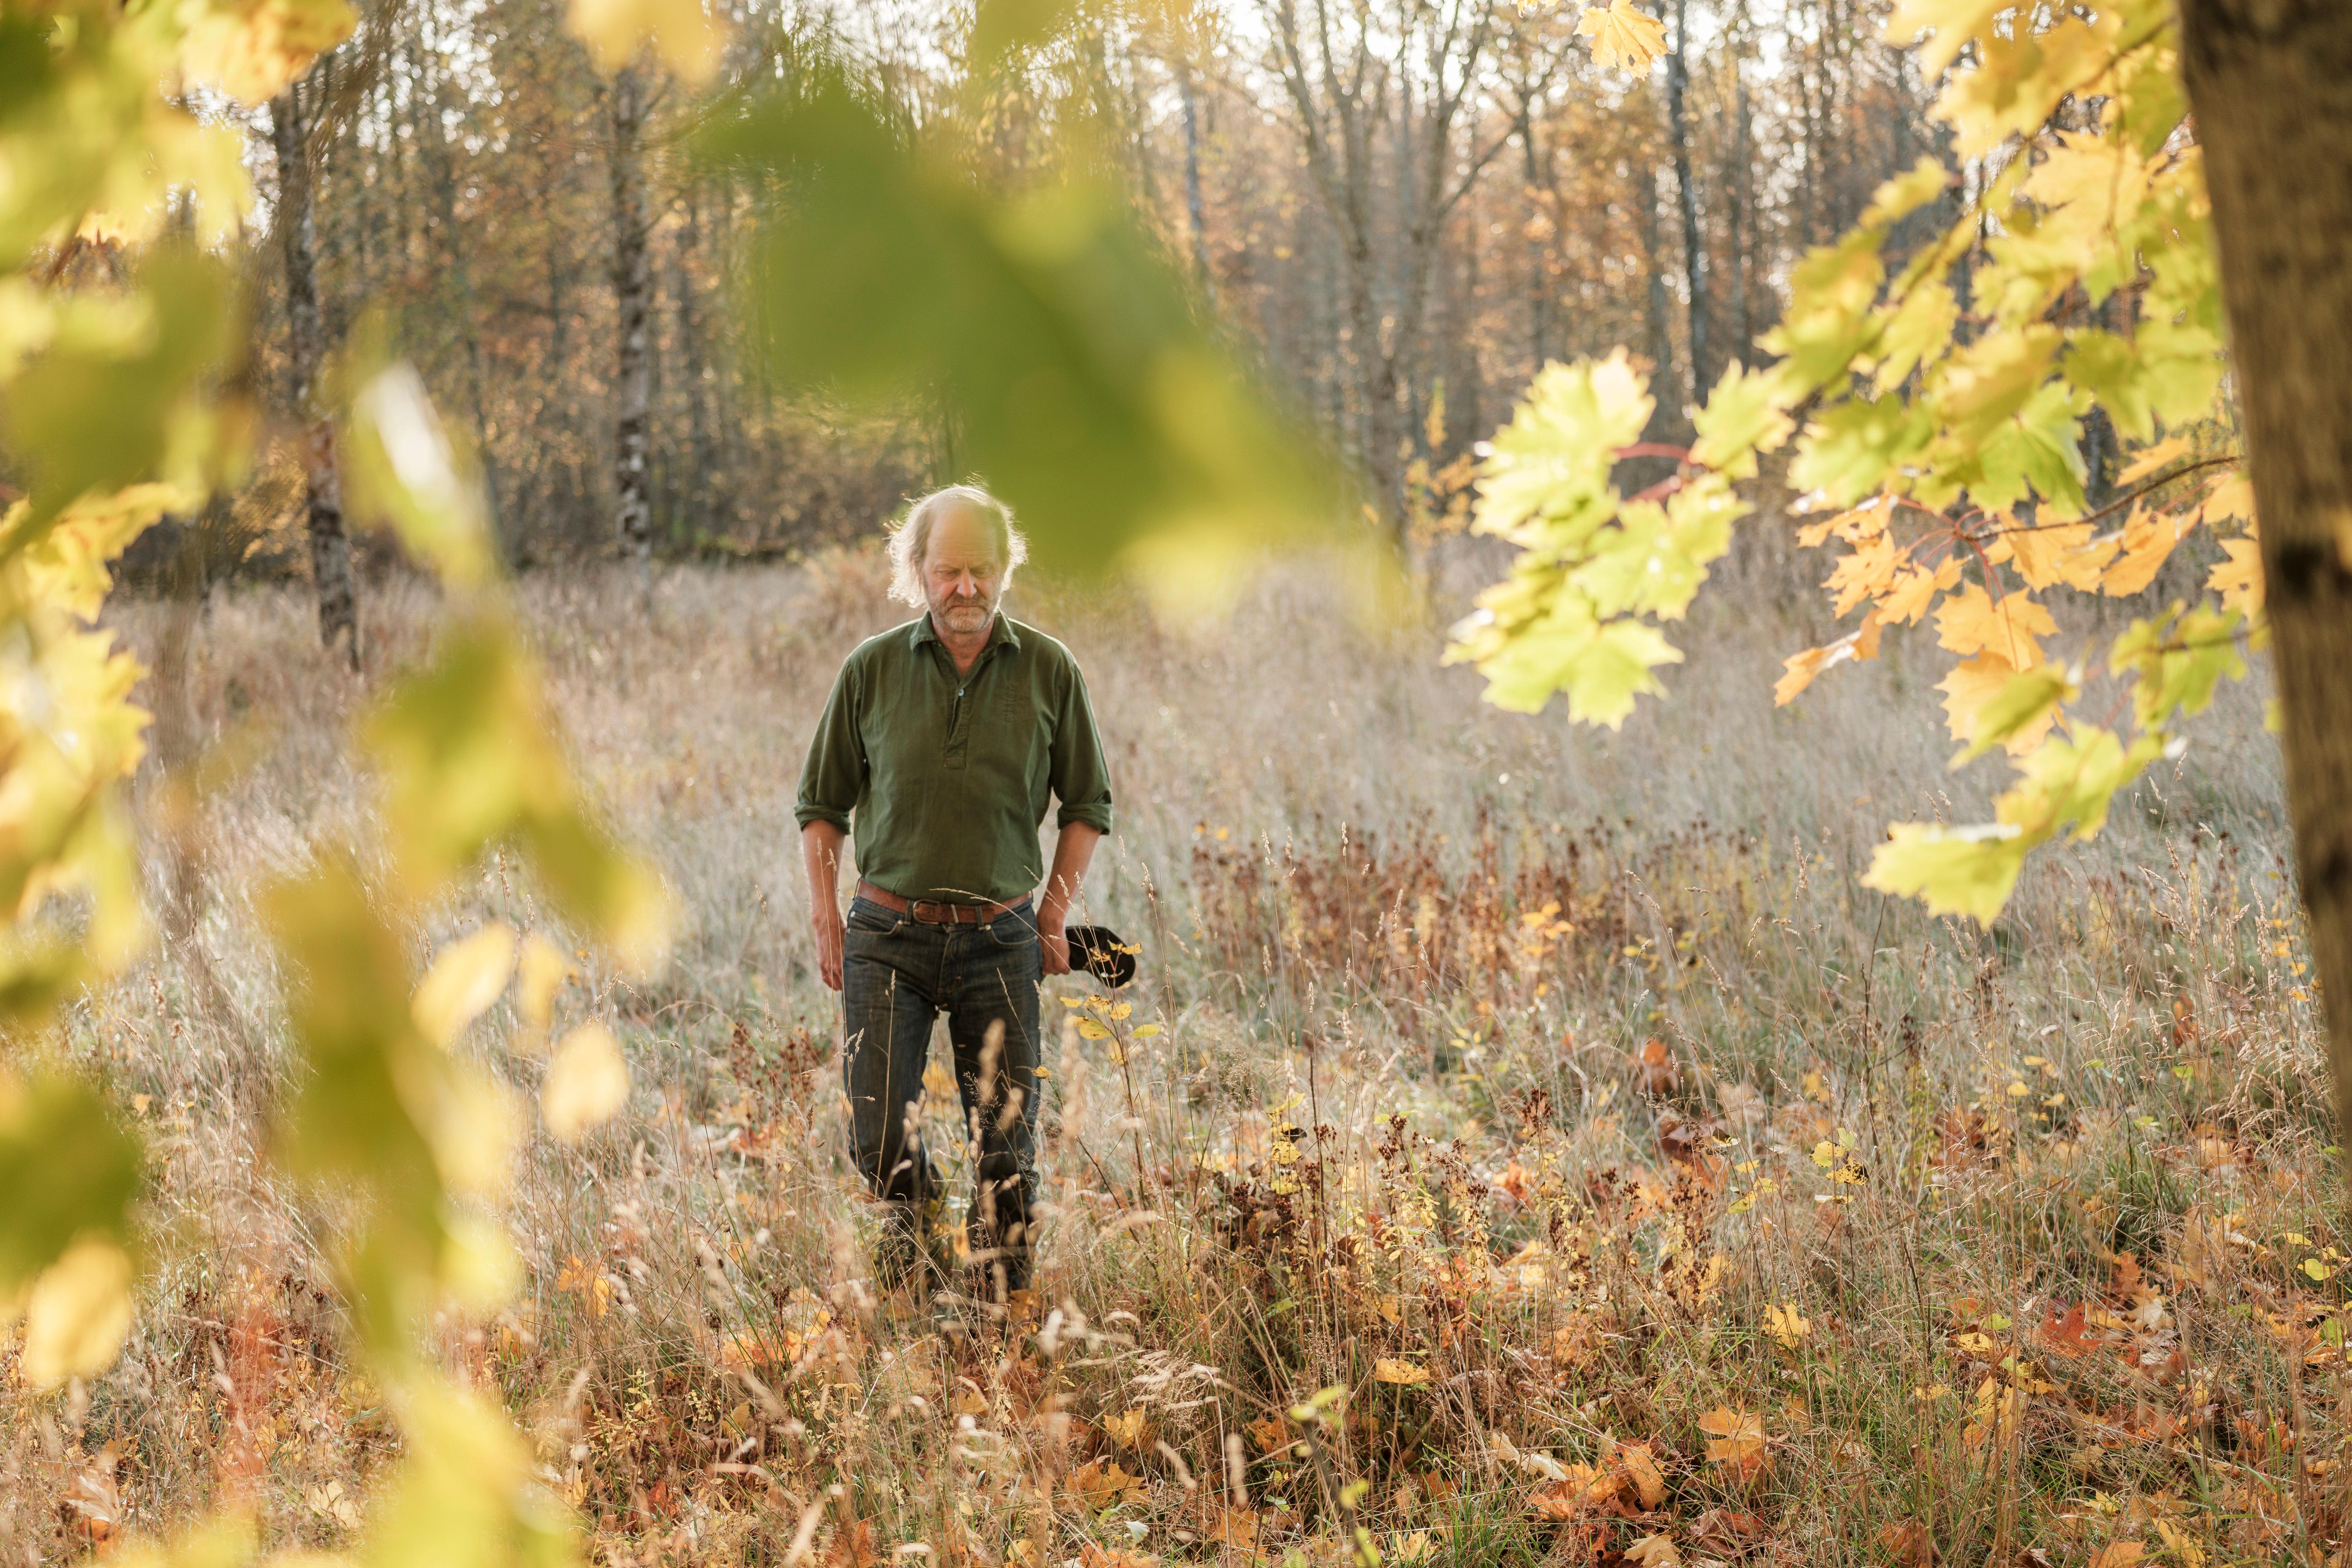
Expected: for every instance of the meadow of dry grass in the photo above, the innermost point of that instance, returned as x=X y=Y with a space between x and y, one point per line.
x=1547 y=1150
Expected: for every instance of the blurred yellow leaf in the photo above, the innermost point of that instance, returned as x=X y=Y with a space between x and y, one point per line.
x=543 y=971
x=1405 y=1372
x=77 y=1313
x=1624 y=37
x=69 y=1170
x=400 y=468
x=468 y=976
x=587 y=1083
x=252 y=48
x=1128 y=1428
x=688 y=39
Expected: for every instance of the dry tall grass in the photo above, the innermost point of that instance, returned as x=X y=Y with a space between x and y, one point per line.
x=1653 y=1193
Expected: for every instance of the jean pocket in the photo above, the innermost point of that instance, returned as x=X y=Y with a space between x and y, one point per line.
x=871 y=918
x=1014 y=931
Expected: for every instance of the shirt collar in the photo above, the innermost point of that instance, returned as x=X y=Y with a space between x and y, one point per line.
x=1002 y=632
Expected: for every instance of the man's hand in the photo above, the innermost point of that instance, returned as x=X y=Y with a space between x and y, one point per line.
x=821 y=843
x=1072 y=850
x=826 y=921
x=1051 y=946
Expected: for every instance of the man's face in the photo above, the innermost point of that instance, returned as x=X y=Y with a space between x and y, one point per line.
x=962 y=578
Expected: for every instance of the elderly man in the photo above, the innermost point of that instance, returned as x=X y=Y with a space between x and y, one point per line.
x=937 y=749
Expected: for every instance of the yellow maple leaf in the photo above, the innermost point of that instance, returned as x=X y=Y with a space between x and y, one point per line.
x=2048 y=554
x=1127 y=1429
x=688 y=38
x=1784 y=1324
x=1399 y=1372
x=2119 y=1555
x=2233 y=498
x=2150 y=459
x=1910 y=589
x=1268 y=1433
x=1737 y=1439
x=1866 y=574
x=252 y=48
x=1623 y=36
x=2147 y=540
x=1970 y=622
x=1649 y=1484
x=2239 y=579
x=1973 y=683
x=2101 y=177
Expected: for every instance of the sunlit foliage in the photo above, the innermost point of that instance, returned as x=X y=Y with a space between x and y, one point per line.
x=1935 y=406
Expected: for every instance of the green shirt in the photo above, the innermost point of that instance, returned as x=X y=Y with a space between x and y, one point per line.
x=947 y=775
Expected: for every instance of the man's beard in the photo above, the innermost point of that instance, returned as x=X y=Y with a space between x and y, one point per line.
x=965 y=615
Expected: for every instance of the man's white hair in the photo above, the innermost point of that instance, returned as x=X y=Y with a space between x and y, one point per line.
x=910 y=537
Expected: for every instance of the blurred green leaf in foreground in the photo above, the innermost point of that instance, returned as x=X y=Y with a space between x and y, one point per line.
x=1084 y=383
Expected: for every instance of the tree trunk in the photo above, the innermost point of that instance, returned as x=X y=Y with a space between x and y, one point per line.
x=1195 y=209
x=330 y=552
x=442 y=165
x=1735 y=195
x=707 y=503
x=1662 y=342
x=1693 y=242
x=2270 y=84
x=633 y=288
x=1539 y=247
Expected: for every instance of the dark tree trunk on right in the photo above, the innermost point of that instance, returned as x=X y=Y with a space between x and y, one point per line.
x=2271 y=83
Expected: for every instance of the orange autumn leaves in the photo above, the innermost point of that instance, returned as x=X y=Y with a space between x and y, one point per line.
x=1976 y=578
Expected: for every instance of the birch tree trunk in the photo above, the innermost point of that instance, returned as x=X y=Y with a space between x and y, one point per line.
x=2271 y=83
x=633 y=288
x=1693 y=242
x=296 y=224
x=1195 y=209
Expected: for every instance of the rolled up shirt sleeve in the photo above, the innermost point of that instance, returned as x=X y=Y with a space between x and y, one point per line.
x=832 y=778
x=1080 y=778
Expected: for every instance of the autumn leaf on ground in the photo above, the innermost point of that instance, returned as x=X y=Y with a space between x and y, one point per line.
x=1386 y=1370
x=1648 y=1484
x=1724 y=1532
x=1910 y=1542
x=2064 y=1333
x=1268 y=1433
x=1784 y=1325
x=2119 y=1555
x=1623 y=36
x=1737 y=1440
x=1654 y=1551
x=1097 y=1486
x=1128 y=1430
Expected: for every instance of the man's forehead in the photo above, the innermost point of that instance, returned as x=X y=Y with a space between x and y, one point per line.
x=964 y=530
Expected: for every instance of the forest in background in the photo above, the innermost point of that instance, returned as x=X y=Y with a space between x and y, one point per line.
x=1399 y=234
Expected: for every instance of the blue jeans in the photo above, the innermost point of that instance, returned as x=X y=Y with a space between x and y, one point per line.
x=897 y=975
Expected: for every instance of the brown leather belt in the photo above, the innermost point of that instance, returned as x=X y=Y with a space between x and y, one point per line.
x=935 y=912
